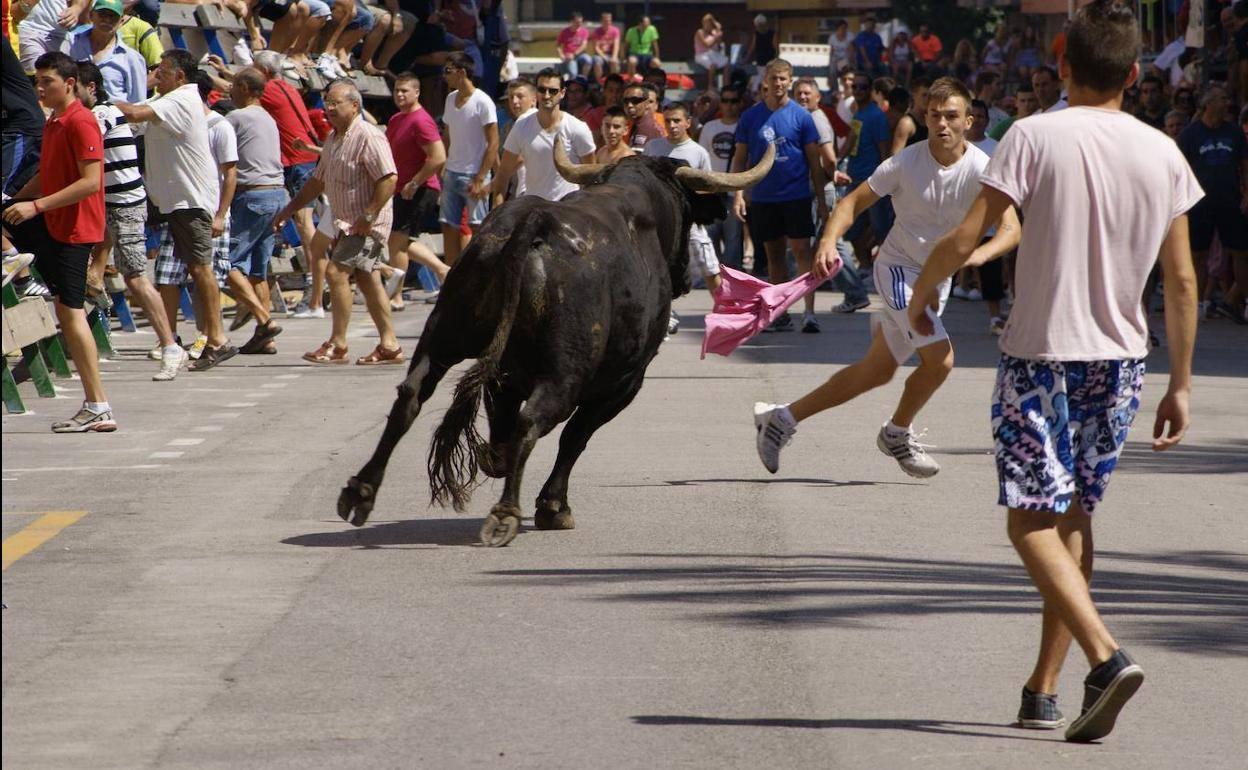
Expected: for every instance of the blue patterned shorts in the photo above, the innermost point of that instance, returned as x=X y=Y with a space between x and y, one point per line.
x=1059 y=427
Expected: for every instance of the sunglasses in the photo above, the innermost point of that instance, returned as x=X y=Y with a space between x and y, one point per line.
x=636 y=100
x=548 y=91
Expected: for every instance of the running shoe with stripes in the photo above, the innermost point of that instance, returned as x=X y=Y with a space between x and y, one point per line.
x=15 y=263
x=908 y=452
x=774 y=427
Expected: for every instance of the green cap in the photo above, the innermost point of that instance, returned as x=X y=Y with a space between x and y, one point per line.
x=109 y=5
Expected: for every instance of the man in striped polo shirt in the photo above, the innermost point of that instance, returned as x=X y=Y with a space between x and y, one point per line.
x=358 y=174
x=125 y=215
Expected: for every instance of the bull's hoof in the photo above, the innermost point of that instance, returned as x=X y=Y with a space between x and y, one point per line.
x=500 y=527
x=546 y=518
x=355 y=502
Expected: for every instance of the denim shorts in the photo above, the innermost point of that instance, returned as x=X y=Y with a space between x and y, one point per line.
x=1059 y=428
x=296 y=177
x=318 y=9
x=363 y=19
x=455 y=199
x=251 y=223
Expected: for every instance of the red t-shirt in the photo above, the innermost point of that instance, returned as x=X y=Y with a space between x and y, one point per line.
x=927 y=49
x=408 y=133
x=67 y=139
x=284 y=103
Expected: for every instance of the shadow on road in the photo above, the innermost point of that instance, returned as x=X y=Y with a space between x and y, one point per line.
x=395 y=534
x=1194 y=459
x=938 y=726
x=1191 y=602
x=781 y=480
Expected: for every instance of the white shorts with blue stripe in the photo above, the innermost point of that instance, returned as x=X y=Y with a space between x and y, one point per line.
x=895 y=282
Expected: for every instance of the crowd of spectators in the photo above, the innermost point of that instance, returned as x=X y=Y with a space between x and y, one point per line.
x=234 y=152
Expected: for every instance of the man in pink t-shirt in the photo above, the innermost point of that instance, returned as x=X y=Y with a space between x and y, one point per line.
x=604 y=47
x=1069 y=380
x=573 y=60
x=419 y=157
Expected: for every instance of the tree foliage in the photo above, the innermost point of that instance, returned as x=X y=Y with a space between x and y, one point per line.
x=948 y=20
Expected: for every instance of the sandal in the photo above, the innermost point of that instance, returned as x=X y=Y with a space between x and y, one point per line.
x=381 y=356
x=327 y=353
x=261 y=337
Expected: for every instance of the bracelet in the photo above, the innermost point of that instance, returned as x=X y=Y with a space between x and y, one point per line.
x=35 y=203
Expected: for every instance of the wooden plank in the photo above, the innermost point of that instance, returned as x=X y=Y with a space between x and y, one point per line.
x=27 y=323
x=215 y=17
x=177 y=15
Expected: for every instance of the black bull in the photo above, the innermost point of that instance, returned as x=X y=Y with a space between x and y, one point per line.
x=563 y=304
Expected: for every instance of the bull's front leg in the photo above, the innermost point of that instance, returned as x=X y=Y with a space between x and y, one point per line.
x=548 y=406
x=357 y=498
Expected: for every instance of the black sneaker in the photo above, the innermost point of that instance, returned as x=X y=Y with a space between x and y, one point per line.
x=782 y=324
x=1038 y=711
x=1106 y=690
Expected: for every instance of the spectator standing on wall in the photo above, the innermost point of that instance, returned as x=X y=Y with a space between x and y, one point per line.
x=840 y=50
x=124 y=69
x=641 y=46
x=605 y=47
x=763 y=46
x=708 y=50
x=869 y=48
x=574 y=59
x=927 y=49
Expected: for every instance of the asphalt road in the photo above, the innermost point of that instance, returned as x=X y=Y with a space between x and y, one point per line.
x=209 y=610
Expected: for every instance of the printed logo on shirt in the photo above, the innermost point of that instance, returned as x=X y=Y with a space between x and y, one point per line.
x=723 y=145
x=768 y=133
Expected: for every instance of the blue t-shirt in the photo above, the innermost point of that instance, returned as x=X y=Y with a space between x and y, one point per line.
x=868 y=128
x=869 y=46
x=790 y=128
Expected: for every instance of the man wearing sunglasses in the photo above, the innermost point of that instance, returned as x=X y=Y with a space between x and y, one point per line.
x=718 y=137
x=639 y=104
x=532 y=142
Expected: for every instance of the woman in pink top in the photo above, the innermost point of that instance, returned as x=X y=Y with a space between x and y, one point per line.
x=708 y=50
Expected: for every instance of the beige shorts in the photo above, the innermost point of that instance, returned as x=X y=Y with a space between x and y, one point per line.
x=358 y=252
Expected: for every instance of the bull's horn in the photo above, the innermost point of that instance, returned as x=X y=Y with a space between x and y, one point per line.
x=576 y=173
x=724 y=181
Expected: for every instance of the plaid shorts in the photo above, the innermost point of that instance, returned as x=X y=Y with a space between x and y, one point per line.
x=171 y=270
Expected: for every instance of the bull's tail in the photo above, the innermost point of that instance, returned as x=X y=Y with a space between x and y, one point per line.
x=457 y=446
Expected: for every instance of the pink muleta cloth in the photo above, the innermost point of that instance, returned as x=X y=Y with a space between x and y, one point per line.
x=745 y=305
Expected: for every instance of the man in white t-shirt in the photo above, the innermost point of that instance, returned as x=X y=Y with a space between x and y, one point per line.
x=532 y=141
x=932 y=184
x=1068 y=385
x=182 y=183
x=718 y=137
x=679 y=145
x=472 y=150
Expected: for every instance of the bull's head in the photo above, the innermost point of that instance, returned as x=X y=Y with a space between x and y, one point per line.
x=692 y=178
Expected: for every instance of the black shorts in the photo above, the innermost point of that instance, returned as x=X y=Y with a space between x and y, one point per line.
x=419 y=215
x=1228 y=221
x=274 y=10
x=787 y=219
x=62 y=266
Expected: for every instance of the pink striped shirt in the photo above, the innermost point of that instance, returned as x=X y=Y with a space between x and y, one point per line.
x=351 y=166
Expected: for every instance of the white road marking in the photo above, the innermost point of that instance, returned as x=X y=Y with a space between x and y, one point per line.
x=207 y=428
x=165 y=455
x=256 y=395
x=60 y=468
x=273 y=385
x=185 y=442
x=288 y=376
x=240 y=404
x=224 y=415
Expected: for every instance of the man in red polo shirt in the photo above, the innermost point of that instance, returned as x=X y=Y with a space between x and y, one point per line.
x=60 y=218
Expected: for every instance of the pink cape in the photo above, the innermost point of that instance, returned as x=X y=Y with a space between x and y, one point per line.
x=745 y=305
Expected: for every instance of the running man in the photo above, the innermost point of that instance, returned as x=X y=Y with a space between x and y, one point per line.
x=1068 y=385
x=933 y=183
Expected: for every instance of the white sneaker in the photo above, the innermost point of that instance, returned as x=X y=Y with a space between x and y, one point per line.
x=775 y=428
x=170 y=364
x=15 y=264
x=156 y=352
x=310 y=312
x=908 y=452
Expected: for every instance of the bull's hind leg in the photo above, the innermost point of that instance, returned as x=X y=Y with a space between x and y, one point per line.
x=502 y=407
x=546 y=407
x=356 y=500
x=553 y=511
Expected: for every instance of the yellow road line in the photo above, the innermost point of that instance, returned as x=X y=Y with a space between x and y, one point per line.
x=37 y=533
